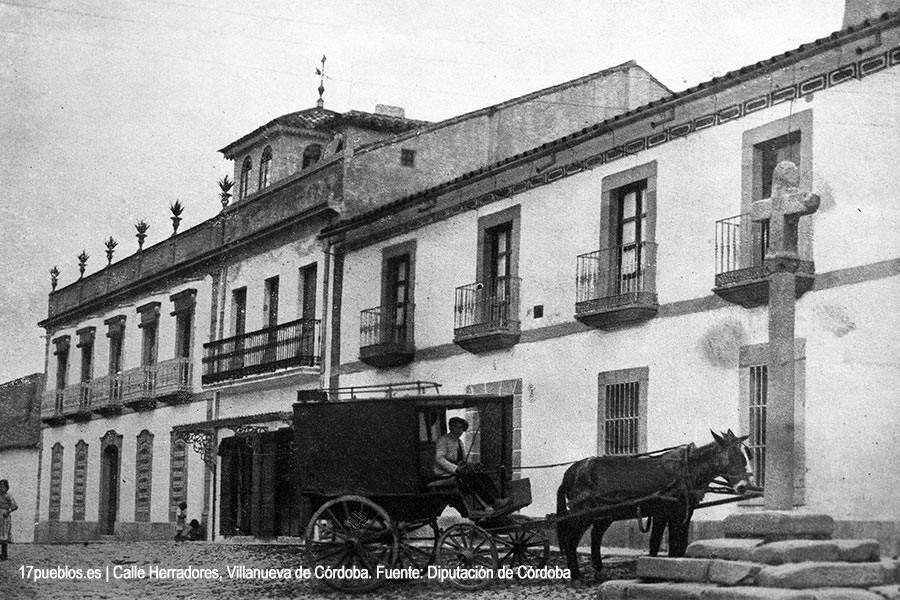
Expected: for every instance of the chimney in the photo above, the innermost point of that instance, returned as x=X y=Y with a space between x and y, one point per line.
x=857 y=11
x=397 y=111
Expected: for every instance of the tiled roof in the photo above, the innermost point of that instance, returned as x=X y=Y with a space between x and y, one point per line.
x=20 y=412
x=713 y=85
x=327 y=120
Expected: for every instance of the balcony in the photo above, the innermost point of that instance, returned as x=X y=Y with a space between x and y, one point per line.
x=616 y=286
x=174 y=381
x=290 y=345
x=138 y=386
x=486 y=315
x=77 y=401
x=741 y=276
x=51 y=407
x=106 y=395
x=386 y=335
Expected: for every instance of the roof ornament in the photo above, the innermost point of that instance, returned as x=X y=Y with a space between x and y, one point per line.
x=321 y=73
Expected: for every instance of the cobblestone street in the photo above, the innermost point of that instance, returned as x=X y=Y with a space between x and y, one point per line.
x=109 y=555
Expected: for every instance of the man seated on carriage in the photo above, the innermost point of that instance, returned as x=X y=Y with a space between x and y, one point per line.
x=450 y=463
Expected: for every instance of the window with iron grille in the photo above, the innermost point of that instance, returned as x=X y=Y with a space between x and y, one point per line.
x=754 y=412
x=758 y=391
x=622 y=412
x=407 y=157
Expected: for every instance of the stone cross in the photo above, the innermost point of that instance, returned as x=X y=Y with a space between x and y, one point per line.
x=783 y=211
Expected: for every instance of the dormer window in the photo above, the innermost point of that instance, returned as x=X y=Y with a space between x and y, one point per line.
x=264 y=162
x=245 y=178
x=311 y=155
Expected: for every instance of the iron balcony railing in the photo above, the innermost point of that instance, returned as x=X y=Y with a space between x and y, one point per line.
x=138 y=384
x=617 y=275
x=52 y=404
x=386 y=325
x=174 y=376
x=106 y=392
x=741 y=247
x=493 y=302
x=294 y=344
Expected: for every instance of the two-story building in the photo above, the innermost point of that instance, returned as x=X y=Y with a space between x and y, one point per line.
x=171 y=373
x=615 y=280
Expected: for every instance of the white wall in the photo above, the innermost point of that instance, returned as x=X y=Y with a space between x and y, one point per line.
x=20 y=468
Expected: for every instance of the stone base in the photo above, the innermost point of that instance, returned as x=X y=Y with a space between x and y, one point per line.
x=773 y=525
x=54 y=532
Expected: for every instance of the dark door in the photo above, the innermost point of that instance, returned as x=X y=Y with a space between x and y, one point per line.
x=395 y=328
x=109 y=490
x=239 y=319
x=270 y=320
x=630 y=243
x=307 y=345
x=497 y=288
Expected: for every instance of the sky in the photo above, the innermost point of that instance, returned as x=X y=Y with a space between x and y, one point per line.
x=112 y=110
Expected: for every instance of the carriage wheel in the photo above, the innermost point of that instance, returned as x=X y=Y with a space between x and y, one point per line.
x=354 y=533
x=417 y=544
x=469 y=547
x=524 y=544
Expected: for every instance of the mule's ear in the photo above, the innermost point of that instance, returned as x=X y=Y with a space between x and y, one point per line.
x=743 y=437
x=729 y=434
x=717 y=437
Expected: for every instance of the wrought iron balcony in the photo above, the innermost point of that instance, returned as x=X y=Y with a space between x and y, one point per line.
x=741 y=275
x=138 y=387
x=386 y=335
x=52 y=407
x=486 y=314
x=174 y=380
x=106 y=395
x=290 y=345
x=616 y=286
x=77 y=401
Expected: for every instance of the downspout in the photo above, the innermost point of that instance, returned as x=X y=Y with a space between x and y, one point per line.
x=336 y=296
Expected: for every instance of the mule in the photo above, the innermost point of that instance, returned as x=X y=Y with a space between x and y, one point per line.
x=674 y=481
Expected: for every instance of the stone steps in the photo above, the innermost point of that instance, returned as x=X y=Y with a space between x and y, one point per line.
x=768 y=555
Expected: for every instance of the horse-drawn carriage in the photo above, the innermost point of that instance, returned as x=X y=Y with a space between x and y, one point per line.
x=364 y=464
x=364 y=458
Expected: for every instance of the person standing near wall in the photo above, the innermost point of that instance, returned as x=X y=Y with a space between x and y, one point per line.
x=7 y=506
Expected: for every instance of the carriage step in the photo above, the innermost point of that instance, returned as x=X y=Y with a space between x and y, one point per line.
x=786 y=551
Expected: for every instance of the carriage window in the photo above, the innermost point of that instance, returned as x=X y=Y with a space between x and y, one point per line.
x=622 y=412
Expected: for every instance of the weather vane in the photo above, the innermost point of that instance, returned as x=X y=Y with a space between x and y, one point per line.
x=321 y=73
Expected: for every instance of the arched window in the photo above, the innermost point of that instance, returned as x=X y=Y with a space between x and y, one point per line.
x=311 y=155
x=264 y=162
x=245 y=178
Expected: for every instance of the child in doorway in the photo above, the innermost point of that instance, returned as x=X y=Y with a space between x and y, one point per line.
x=194 y=532
x=7 y=506
x=180 y=522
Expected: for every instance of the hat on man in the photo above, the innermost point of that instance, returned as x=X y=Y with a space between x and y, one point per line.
x=458 y=421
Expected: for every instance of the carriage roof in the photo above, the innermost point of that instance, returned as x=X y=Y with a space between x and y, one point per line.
x=354 y=443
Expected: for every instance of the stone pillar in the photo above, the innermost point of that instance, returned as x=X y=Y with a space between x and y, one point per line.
x=779 y=494
x=782 y=211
